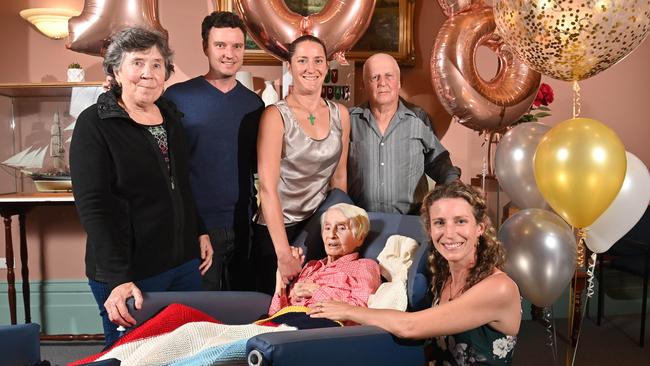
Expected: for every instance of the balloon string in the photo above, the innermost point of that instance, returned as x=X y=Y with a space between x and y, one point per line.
x=550 y=331
x=581 y=236
x=590 y=275
x=589 y=293
x=576 y=99
x=485 y=168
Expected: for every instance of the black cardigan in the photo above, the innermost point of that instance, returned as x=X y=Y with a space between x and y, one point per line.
x=140 y=220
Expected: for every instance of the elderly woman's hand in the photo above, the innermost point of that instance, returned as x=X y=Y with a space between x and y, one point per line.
x=333 y=310
x=303 y=290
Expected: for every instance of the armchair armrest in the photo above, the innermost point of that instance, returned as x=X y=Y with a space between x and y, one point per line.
x=231 y=307
x=355 y=345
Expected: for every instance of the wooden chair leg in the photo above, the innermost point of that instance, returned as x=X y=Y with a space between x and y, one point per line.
x=601 y=291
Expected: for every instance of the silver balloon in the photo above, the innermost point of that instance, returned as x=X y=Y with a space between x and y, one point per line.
x=514 y=164
x=541 y=254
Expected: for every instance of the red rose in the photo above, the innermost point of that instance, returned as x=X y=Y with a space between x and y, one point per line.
x=544 y=95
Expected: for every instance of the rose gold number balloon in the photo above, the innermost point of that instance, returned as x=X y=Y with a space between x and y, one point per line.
x=477 y=103
x=90 y=32
x=572 y=39
x=453 y=7
x=273 y=26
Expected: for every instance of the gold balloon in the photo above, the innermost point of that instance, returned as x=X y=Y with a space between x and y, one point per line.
x=572 y=39
x=580 y=166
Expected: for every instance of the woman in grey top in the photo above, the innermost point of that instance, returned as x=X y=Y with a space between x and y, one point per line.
x=302 y=152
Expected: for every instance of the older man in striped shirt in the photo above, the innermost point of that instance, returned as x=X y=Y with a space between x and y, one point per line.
x=392 y=145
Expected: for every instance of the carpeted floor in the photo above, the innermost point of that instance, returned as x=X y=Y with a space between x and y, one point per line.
x=614 y=343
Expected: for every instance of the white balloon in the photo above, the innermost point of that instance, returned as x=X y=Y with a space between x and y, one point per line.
x=625 y=211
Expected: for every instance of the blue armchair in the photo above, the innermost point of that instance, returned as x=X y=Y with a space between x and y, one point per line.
x=19 y=344
x=361 y=345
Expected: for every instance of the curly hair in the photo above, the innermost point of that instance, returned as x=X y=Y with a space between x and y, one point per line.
x=489 y=252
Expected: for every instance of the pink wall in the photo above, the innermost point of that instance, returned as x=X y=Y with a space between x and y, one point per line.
x=616 y=97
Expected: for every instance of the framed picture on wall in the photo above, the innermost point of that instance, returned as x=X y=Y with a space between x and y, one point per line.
x=390 y=31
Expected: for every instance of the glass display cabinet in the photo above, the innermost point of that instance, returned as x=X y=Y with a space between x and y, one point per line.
x=36 y=122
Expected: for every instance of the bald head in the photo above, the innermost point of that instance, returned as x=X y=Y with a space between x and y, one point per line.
x=381 y=79
x=383 y=60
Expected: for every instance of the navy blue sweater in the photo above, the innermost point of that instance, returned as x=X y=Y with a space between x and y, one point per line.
x=222 y=136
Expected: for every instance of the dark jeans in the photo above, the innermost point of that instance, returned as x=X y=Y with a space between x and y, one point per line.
x=263 y=257
x=230 y=268
x=185 y=277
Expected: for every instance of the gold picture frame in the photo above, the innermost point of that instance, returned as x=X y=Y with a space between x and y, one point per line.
x=384 y=34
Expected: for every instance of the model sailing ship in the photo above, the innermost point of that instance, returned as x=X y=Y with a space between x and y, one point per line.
x=56 y=177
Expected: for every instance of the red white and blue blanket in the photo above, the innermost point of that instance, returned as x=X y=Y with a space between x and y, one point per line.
x=181 y=335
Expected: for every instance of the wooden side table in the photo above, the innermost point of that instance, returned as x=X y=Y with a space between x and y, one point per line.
x=19 y=204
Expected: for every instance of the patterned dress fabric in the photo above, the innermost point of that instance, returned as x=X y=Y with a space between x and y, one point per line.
x=478 y=346
x=160 y=134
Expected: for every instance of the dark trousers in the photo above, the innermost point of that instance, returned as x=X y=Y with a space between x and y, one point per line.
x=263 y=257
x=185 y=277
x=230 y=268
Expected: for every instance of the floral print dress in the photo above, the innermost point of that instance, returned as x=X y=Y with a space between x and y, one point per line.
x=479 y=346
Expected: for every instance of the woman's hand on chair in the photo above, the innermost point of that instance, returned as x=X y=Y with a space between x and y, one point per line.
x=115 y=305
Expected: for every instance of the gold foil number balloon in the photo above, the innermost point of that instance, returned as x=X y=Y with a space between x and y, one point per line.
x=580 y=166
x=572 y=39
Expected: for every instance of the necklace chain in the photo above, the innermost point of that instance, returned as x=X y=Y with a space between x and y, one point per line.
x=312 y=117
x=457 y=293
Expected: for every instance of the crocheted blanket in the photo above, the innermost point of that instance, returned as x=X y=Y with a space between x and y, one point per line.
x=181 y=335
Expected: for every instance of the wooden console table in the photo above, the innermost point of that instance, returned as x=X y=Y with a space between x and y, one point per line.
x=19 y=204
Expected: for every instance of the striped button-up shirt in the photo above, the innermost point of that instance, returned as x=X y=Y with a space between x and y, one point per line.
x=386 y=173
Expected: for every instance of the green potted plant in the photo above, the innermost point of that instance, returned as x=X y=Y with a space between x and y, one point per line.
x=75 y=72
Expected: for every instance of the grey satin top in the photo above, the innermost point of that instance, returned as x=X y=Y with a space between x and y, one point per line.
x=306 y=165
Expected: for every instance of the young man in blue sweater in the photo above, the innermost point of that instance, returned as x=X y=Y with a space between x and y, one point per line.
x=221 y=120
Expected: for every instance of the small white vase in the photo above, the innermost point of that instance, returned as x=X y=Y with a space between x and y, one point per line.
x=76 y=75
x=269 y=95
x=245 y=78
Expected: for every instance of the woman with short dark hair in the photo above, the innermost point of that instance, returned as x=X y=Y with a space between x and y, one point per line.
x=129 y=167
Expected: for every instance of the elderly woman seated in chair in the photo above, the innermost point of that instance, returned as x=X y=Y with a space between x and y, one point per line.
x=476 y=311
x=342 y=275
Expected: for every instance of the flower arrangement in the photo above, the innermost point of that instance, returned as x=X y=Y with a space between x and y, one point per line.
x=542 y=100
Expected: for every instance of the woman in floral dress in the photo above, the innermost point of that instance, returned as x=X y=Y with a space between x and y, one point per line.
x=476 y=311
